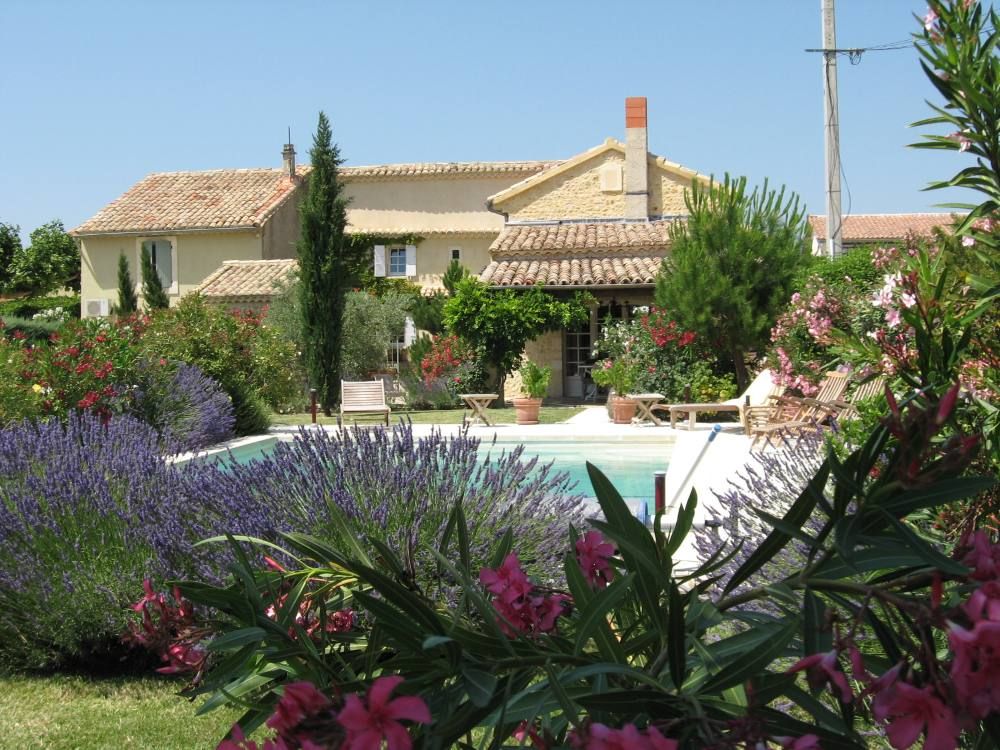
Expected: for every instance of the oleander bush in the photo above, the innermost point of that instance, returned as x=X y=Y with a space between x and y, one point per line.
x=255 y=366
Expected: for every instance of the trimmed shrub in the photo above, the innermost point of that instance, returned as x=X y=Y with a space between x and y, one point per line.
x=25 y=307
x=34 y=331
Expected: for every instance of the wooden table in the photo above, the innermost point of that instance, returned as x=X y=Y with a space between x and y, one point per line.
x=692 y=412
x=645 y=403
x=478 y=403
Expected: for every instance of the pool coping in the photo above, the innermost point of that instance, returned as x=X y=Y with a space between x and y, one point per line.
x=229 y=445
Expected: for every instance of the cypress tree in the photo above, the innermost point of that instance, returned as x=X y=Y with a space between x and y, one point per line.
x=324 y=262
x=152 y=287
x=128 y=302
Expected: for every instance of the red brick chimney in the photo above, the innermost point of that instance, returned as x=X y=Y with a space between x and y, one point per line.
x=636 y=166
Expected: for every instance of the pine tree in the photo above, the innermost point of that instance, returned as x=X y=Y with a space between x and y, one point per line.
x=152 y=286
x=731 y=266
x=128 y=302
x=325 y=258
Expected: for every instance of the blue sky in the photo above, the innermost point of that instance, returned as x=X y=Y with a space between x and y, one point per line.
x=94 y=95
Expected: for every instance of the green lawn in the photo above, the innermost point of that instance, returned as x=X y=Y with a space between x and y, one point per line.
x=79 y=713
x=547 y=415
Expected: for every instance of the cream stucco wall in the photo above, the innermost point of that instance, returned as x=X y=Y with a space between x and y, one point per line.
x=576 y=193
x=281 y=231
x=197 y=254
x=434 y=257
x=425 y=204
x=547 y=351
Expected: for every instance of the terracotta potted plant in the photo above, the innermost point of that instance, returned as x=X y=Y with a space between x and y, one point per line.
x=535 y=383
x=619 y=375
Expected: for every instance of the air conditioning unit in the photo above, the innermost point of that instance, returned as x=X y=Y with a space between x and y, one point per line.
x=97 y=307
x=611 y=178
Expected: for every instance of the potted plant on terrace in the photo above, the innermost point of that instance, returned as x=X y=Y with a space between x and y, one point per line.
x=535 y=383
x=620 y=376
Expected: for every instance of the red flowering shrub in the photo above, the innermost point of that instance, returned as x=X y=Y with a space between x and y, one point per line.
x=664 y=358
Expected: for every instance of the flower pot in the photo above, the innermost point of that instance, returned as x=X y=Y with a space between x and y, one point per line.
x=526 y=410
x=623 y=410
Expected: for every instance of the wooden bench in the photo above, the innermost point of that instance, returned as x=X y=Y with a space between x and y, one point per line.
x=363 y=397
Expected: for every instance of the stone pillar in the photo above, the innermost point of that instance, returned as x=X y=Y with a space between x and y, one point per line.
x=288 y=160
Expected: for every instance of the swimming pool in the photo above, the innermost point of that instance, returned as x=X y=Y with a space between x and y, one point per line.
x=628 y=465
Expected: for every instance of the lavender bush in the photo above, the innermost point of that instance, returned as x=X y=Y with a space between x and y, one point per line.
x=399 y=490
x=769 y=484
x=189 y=409
x=87 y=510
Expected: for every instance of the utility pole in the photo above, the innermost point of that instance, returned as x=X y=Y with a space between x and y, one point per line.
x=831 y=132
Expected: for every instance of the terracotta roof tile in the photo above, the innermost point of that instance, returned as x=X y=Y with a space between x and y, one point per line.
x=246 y=280
x=573 y=271
x=177 y=201
x=445 y=168
x=862 y=227
x=533 y=239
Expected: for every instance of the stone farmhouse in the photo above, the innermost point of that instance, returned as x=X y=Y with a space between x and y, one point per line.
x=597 y=221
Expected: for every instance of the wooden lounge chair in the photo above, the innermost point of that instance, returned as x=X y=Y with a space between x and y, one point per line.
x=873 y=388
x=363 y=397
x=793 y=414
x=757 y=394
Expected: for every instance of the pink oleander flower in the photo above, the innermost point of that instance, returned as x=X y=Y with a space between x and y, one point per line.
x=378 y=718
x=968 y=241
x=508 y=581
x=298 y=701
x=821 y=668
x=910 y=711
x=240 y=742
x=907 y=300
x=930 y=20
x=805 y=742
x=963 y=141
x=601 y=737
x=892 y=318
x=593 y=553
x=975 y=669
x=983 y=556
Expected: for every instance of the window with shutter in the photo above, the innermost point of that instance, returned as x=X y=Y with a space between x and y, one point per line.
x=379 y=260
x=411 y=261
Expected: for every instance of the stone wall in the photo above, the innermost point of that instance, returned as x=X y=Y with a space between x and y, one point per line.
x=577 y=194
x=546 y=350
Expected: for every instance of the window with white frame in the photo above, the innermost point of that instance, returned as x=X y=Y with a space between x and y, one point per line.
x=397 y=261
x=161 y=252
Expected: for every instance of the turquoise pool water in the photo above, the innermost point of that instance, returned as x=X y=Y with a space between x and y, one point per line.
x=629 y=466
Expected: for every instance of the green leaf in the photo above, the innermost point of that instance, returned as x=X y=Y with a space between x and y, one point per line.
x=797 y=515
x=750 y=663
x=677 y=634
x=593 y=618
x=237 y=639
x=816 y=635
x=479 y=685
x=682 y=525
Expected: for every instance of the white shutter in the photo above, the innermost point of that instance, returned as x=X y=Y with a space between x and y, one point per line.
x=411 y=261
x=379 y=260
x=409 y=332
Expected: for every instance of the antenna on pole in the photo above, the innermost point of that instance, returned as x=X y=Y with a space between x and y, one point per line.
x=831 y=131
x=289 y=134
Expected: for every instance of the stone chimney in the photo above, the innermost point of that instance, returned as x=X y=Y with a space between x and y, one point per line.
x=288 y=160
x=636 y=165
